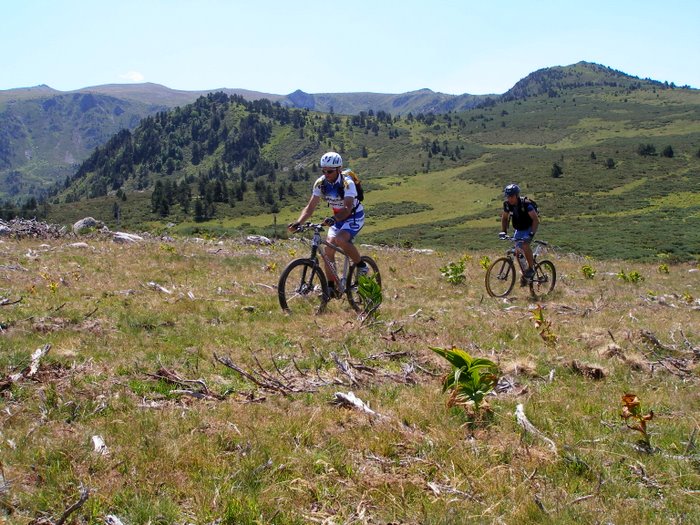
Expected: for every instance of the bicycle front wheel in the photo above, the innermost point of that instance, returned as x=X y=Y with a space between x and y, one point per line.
x=302 y=287
x=500 y=277
x=544 y=279
x=354 y=298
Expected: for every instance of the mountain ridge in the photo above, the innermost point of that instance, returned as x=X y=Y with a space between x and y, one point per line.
x=584 y=142
x=35 y=154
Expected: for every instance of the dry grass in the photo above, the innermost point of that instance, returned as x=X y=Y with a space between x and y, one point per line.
x=129 y=326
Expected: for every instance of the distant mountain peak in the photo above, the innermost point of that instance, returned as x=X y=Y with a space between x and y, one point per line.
x=301 y=99
x=41 y=88
x=554 y=79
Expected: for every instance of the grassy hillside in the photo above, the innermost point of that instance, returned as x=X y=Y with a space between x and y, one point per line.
x=133 y=333
x=43 y=140
x=45 y=133
x=436 y=180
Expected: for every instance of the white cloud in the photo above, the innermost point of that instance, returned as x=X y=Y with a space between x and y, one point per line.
x=133 y=76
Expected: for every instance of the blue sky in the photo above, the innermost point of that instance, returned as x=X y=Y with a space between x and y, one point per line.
x=450 y=46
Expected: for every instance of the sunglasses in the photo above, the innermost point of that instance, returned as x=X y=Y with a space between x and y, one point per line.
x=329 y=171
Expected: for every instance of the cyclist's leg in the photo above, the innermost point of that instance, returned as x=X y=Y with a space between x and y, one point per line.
x=329 y=257
x=344 y=240
x=342 y=234
x=523 y=238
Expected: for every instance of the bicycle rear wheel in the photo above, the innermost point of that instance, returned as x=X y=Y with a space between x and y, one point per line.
x=351 y=290
x=544 y=279
x=500 y=277
x=303 y=287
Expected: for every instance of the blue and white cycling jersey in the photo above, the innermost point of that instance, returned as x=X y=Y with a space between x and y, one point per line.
x=334 y=194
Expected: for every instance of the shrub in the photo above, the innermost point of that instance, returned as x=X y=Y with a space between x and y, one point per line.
x=454 y=272
x=588 y=271
x=632 y=277
x=371 y=293
x=557 y=170
x=646 y=150
x=471 y=379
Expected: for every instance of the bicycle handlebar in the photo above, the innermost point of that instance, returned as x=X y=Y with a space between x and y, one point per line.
x=309 y=226
x=536 y=241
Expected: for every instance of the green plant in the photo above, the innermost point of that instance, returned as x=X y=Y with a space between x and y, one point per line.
x=371 y=293
x=485 y=262
x=544 y=327
x=470 y=380
x=632 y=277
x=634 y=419
x=663 y=268
x=588 y=271
x=454 y=272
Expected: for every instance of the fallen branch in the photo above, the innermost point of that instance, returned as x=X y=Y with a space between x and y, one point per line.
x=529 y=427
x=155 y=286
x=99 y=445
x=438 y=489
x=344 y=367
x=89 y=314
x=389 y=355
x=172 y=377
x=4 y=483
x=266 y=381
x=33 y=367
x=352 y=401
x=84 y=495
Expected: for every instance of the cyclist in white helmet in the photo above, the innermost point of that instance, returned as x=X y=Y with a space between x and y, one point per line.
x=348 y=218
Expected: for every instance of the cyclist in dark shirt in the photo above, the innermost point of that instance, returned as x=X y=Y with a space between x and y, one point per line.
x=525 y=222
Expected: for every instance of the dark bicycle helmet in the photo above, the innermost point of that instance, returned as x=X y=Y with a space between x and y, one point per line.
x=511 y=189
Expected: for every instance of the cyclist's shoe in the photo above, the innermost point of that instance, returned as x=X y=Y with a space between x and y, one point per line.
x=526 y=277
x=362 y=270
x=334 y=293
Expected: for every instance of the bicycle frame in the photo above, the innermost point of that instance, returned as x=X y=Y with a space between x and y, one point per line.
x=513 y=251
x=308 y=278
x=501 y=274
x=316 y=243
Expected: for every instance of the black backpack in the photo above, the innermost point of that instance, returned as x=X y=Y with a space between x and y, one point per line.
x=527 y=200
x=523 y=218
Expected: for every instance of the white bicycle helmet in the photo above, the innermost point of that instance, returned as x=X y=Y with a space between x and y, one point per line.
x=331 y=160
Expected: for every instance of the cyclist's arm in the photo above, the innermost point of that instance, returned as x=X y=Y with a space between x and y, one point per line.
x=346 y=210
x=535 y=222
x=505 y=217
x=309 y=209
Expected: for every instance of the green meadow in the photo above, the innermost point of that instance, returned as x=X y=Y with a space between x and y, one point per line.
x=173 y=389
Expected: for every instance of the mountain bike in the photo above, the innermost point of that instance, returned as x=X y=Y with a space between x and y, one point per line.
x=500 y=277
x=303 y=284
